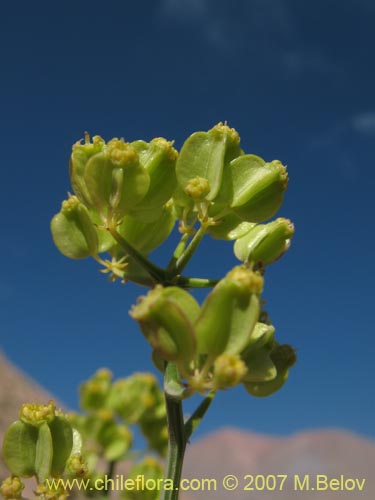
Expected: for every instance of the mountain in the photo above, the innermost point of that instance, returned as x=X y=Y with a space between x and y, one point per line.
x=15 y=388
x=318 y=454
x=339 y=455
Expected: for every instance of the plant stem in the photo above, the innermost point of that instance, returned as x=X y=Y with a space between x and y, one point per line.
x=156 y=272
x=178 y=252
x=110 y=474
x=176 y=447
x=197 y=416
x=185 y=282
x=184 y=258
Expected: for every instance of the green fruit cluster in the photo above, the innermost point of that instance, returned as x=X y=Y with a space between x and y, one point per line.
x=219 y=344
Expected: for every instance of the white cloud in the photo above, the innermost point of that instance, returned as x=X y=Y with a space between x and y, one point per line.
x=297 y=62
x=229 y=25
x=364 y=123
x=266 y=29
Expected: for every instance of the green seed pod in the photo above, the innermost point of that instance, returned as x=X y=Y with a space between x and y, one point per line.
x=230 y=227
x=19 y=448
x=229 y=371
x=264 y=389
x=229 y=313
x=165 y=316
x=265 y=243
x=73 y=232
x=80 y=155
x=11 y=488
x=135 y=397
x=115 y=440
x=283 y=357
x=258 y=187
x=145 y=237
x=146 y=475
x=260 y=367
x=44 y=453
x=262 y=334
x=115 y=180
x=159 y=159
x=204 y=154
x=95 y=391
x=62 y=443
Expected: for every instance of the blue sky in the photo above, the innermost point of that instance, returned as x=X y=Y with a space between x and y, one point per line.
x=297 y=80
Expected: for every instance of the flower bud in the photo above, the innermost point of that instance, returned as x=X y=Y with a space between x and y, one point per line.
x=159 y=159
x=50 y=491
x=265 y=243
x=11 y=488
x=197 y=188
x=36 y=414
x=204 y=154
x=258 y=187
x=77 y=465
x=73 y=232
x=229 y=370
x=229 y=313
x=165 y=317
x=115 y=180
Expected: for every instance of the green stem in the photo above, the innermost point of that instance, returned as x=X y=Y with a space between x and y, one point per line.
x=110 y=474
x=185 y=282
x=156 y=272
x=176 y=447
x=184 y=258
x=197 y=416
x=178 y=252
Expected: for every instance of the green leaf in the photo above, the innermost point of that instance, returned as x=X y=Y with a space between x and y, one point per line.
x=43 y=453
x=62 y=440
x=19 y=448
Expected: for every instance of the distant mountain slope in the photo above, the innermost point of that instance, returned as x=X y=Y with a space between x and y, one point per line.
x=15 y=388
x=327 y=452
x=231 y=451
